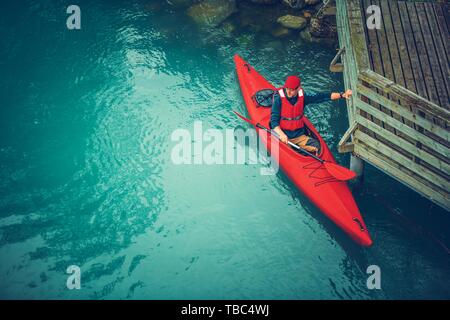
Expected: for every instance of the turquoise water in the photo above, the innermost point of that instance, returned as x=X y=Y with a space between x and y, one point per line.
x=86 y=176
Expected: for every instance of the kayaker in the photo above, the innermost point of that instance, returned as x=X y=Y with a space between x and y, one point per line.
x=288 y=110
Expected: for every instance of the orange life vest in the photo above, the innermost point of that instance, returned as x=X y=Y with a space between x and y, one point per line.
x=292 y=115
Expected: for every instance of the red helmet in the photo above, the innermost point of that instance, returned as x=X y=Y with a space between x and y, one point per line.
x=292 y=82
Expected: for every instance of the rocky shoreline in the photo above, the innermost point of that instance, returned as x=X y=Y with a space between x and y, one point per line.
x=311 y=20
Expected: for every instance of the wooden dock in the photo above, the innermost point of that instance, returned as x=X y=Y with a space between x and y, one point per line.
x=399 y=115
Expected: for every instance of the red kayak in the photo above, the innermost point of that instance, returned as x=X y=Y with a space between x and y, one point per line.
x=332 y=196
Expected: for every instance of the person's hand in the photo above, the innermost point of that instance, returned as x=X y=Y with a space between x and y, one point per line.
x=281 y=135
x=347 y=94
x=283 y=138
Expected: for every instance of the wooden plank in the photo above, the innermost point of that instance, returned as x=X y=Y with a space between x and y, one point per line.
x=445 y=6
x=405 y=62
x=443 y=27
x=335 y=66
x=444 y=39
x=403 y=175
x=433 y=58
x=395 y=64
x=423 y=53
x=358 y=40
x=386 y=68
x=344 y=146
x=440 y=48
x=404 y=112
x=412 y=51
x=443 y=150
x=406 y=146
x=392 y=39
x=350 y=71
x=402 y=29
x=439 y=181
x=372 y=45
x=408 y=97
x=376 y=63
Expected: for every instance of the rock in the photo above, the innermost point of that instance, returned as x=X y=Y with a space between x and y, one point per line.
x=312 y=2
x=295 y=4
x=211 y=13
x=280 y=32
x=329 y=11
x=307 y=36
x=293 y=22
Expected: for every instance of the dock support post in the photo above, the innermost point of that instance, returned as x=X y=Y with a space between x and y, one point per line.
x=357 y=165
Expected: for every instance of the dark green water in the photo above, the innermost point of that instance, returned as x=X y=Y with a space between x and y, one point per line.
x=86 y=176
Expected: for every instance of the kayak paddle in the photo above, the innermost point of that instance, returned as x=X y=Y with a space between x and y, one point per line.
x=337 y=171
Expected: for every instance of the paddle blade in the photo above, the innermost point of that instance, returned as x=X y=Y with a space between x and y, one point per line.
x=339 y=172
